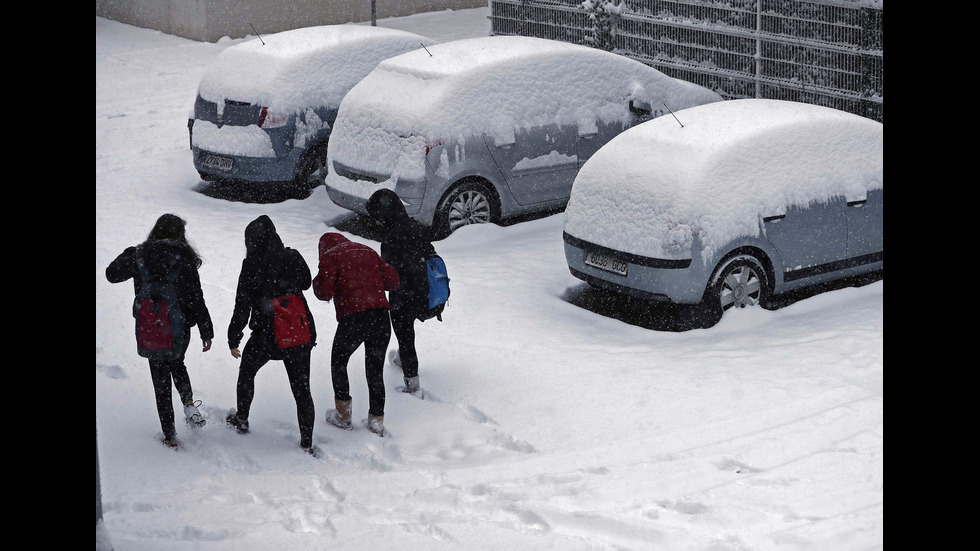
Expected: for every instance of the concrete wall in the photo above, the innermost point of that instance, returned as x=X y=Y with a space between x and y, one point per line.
x=209 y=20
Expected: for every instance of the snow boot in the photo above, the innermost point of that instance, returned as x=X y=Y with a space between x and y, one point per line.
x=171 y=442
x=310 y=449
x=412 y=387
x=241 y=425
x=340 y=417
x=394 y=358
x=193 y=415
x=375 y=424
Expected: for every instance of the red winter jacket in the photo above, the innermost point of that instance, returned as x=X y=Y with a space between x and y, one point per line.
x=352 y=275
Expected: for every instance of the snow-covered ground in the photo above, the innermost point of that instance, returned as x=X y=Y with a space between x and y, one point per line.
x=555 y=418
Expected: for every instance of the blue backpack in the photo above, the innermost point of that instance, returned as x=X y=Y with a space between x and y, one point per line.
x=438 y=287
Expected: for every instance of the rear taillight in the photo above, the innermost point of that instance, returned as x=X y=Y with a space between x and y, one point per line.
x=272 y=119
x=432 y=145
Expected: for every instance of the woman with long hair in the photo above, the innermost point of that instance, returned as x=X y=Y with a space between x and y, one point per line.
x=167 y=260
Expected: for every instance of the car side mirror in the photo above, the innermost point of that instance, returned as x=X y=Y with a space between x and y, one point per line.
x=640 y=108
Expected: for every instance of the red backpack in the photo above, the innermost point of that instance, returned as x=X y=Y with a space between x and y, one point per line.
x=160 y=322
x=292 y=328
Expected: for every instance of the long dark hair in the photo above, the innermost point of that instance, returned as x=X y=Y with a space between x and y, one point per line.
x=171 y=227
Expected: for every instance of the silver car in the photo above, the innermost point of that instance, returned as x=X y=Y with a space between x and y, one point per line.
x=485 y=129
x=747 y=200
x=265 y=107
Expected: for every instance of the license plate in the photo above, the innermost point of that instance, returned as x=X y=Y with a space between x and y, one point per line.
x=220 y=163
x=606 y=262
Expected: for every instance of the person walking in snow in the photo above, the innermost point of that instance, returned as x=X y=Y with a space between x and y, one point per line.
x=355 y=278
x=269 y=272
x=406 y=247
x=166 y=255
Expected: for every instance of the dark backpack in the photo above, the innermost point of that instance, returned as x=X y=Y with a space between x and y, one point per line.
x=438 y=287
x=292 y=327
x=161 y=326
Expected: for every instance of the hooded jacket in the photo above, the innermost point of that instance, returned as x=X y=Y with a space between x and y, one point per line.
x=269 y=271
x=405 y=246
x=353 y=275
x=163 y=258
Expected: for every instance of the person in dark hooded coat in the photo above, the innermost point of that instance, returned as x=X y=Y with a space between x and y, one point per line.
x=405 y=245
x=355 y=278
x=166 y=254
x=270 y=270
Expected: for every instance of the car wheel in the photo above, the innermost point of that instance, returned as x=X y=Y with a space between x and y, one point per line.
x=469 y=203
x=311 y=173
x=742 y=282
x=739 y=282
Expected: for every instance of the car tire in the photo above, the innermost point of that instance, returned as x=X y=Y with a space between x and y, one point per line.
x=314 y=162
x=468 y=203
x=740 y=281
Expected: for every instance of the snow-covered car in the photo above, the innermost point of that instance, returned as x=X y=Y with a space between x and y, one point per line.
x=747 y=200
x=265 y=107
x=484 y=129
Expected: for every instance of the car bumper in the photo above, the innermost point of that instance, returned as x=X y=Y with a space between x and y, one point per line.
x=353 y=194
x=679 y=281
x=248 y=169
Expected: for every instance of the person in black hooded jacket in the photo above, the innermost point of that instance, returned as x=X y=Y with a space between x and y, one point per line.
x=166 y=254
x=270 y=270
x=405 y=245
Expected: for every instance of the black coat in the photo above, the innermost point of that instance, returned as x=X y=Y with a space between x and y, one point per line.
x=269 y=270
x=406 y=246
x=162 y=258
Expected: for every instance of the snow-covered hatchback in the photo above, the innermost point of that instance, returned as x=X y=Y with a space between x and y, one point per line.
x=748 y=199
x=478 y=130
x=265 y=107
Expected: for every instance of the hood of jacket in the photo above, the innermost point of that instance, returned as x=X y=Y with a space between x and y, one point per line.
x=386 y=207
x=261 y=238
x=331 y=240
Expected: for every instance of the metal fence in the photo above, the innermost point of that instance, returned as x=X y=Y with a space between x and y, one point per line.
x=826 y=52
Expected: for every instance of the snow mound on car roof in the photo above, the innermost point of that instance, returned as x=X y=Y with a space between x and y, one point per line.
x=307 y=67
x=491 y=86
x=651 y=189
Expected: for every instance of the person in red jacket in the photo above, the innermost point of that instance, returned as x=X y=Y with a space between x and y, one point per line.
x=355 y=278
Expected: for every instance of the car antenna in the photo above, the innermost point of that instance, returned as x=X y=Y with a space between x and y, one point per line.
x=426 y=49
x=675 y=116
x=256 y=33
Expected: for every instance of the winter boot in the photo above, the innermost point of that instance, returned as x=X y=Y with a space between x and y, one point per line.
x=375 y=424
x=241 y=425
x=193 y=415
x=340 y=417
x=310 y=449
x=394 y=358
x=412 y=387
x=171 y=442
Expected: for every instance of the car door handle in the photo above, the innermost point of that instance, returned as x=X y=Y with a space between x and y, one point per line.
x=775 y=218
x=856 y=203
x=587 y=136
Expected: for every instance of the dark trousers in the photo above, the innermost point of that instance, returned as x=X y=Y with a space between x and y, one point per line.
x=163 y=373
x=404 y=326
x=372 y=329
x=257 y=353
